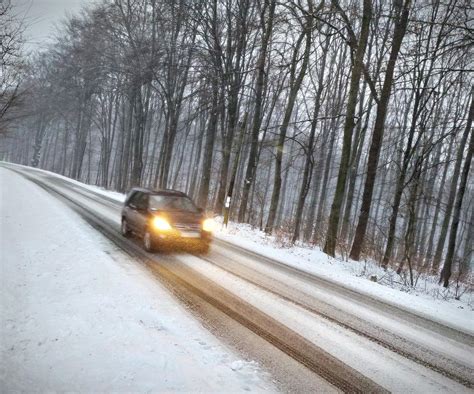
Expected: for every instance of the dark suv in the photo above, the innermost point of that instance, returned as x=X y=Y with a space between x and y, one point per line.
x=166 y=218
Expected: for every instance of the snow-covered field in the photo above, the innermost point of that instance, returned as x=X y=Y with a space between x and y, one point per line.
x=78 y=315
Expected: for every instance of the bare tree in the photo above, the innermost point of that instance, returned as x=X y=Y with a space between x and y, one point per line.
x=11 y=62
x=262 y=101
x=357 y=68
x=402 y=10
x=448 y=263
x=295 y=81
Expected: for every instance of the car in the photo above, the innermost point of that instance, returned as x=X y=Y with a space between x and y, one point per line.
x=166 y=218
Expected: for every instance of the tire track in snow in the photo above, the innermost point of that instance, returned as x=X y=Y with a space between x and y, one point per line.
x=181 y=277
x=380 y=336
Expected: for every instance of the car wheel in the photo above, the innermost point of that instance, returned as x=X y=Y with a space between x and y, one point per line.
x=124 y=228
x=148 y=242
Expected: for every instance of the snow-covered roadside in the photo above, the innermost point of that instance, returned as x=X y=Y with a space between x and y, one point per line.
x=428 y=299
x=99 y=190
x=78 y=315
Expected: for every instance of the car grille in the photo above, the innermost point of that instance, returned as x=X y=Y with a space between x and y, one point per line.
x=187 y=227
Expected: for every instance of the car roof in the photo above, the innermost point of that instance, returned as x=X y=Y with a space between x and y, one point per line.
x=162 y=192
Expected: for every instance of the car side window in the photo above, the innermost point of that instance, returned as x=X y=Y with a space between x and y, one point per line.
x=142 y=201
x=132 y=201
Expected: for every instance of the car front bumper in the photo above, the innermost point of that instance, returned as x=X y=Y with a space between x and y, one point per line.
x=183 y=236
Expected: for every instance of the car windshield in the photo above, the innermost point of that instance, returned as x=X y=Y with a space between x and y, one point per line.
x=172 y=203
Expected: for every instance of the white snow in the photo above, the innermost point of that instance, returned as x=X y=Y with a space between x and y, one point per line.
x=391 y=370
x=308 y=292
x=96 y=189
x=426 y=299
x=78 y=315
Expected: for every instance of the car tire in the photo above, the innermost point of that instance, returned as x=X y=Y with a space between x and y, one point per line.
x=149 y=243
x=124 y=229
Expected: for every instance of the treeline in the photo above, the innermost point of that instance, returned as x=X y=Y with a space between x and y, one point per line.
x=12 y=64
x=346 y=124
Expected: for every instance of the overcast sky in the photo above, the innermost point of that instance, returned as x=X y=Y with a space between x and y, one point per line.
x=42 y=15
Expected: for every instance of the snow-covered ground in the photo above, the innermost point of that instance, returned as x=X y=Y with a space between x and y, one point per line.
x=78 y=315
x=426 y=299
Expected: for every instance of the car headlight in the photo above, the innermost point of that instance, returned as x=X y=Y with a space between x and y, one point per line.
x=161 y=224
x=209 y=225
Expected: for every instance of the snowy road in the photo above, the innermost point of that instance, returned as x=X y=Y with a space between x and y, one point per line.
x=301 y=327
x=79 y=315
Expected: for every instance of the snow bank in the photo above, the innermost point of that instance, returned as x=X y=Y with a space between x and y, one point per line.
x=78 y=315
x=427 y=299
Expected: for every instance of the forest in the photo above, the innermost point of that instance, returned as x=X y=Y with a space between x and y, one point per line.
x=343 y=124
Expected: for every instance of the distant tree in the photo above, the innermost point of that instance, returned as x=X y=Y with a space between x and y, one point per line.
x=267 y=13
x=402 y=11
x=271 y=103
x=309 y=160
x=448 y=262
x=11 y=63
x=295 y=82
x=425 y=86
x=356 y=72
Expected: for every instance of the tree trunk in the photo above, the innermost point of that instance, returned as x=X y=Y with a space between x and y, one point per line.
x=448 y=262
x=203 y=195
x=230 y=191
x=379 y=127
x=39 y=136
x=267 y=22
x=309 y=161
x=452 y=190
x=330 y=244
x=295 y=84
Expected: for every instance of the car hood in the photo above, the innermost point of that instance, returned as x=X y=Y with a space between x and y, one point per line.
x=181 y=217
